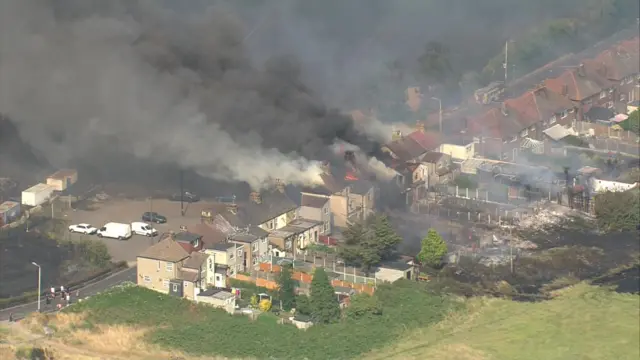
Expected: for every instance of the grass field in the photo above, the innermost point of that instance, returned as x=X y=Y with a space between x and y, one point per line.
x=200 y=330
x=582 y=322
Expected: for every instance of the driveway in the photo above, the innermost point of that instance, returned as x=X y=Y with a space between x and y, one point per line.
x=89 y=290
x=127 y=211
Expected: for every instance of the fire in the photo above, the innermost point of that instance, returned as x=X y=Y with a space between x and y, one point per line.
x=351 y=177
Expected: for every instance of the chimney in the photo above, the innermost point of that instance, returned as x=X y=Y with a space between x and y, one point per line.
x=232 y=208
x=419 y=126
x=280 y=185
x=255 y=197
x=565 y=89
x=581 y=71
x=396 y=135
x=326 y=167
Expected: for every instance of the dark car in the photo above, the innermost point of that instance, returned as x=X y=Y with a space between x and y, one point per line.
x=186 y=197
x=154 y=217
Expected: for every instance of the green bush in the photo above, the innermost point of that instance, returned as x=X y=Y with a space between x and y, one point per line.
x=179 y=324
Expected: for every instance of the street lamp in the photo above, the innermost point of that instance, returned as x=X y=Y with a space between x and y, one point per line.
x=439 y=112
x=39 y=283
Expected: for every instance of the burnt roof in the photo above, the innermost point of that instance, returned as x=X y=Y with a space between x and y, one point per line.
x=432 y=157
x=273 y=204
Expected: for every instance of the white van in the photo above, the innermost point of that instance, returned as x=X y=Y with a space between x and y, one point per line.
x=115 y=230
x=141 y=228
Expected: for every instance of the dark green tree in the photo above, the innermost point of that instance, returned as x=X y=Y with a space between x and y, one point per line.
x=433 y=249
x=385 y=237
x=286 y=288
x=324 y=302
x=633 y=122
x=618 y=211
x=303 y=305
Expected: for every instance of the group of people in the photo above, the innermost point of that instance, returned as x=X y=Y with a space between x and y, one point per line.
x=65 y=296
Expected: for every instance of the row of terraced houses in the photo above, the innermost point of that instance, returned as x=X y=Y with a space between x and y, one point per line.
x=567 y=96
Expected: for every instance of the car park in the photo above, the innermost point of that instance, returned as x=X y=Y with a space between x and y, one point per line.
x=115 y=231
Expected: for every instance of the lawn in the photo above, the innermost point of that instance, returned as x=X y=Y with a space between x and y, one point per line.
x=583 y=322
x=201 y=330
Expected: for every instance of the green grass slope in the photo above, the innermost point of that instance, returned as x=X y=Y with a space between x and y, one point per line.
x=583 y=322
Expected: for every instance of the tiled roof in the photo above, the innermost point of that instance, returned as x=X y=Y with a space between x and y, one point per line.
x=195 y=260
x=165 y=250
x=619 y=62
x=190 y=276
x=427 y=140
x=579 y=83
x=314 y=201
x=495 y=124
x=432 y=157
x=273 y=204
x=210 y=235
x=414 y=144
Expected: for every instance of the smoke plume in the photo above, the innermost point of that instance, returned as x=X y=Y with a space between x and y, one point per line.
x=89 y=81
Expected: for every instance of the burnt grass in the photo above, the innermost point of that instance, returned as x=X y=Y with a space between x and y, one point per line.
x=568 y=252
x=18 y=248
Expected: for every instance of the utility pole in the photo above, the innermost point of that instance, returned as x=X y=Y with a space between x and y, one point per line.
x=39 y=283
x=511 y=250
x=506 y=63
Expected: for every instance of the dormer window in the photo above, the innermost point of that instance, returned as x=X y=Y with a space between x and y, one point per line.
x=603 y=94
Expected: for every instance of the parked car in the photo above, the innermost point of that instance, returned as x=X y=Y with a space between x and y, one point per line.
x=186 y=197
x=154 y=217
x=115 y=230
x=83 y=229
x=141 y=228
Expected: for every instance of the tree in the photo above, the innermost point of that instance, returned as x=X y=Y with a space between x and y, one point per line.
x=618 y=211
x=633 y=122
x=303 y=305
x=286 y=288
x=364 y=306
x=369 y=243
x=433 y=249
x=386 y=238
x=324 y=302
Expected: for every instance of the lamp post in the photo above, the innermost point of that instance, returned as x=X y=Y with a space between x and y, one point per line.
x=39 y=283
x=439 y=112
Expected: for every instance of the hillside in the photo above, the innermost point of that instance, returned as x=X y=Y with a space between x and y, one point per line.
x=583 y=322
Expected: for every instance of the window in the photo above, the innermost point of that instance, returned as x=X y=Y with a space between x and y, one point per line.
x=275 y=223
x=175 y=287
x=147 y=278
x=186 y=284
x=240 y=252
x=603 y=94
x=169 y=266
x=231 y=255
x=165 y=283
x=610 y=104
x=564 y=114
x=326 y=210
x=553 y=120
x=524 y=133
x=270 y=225
x=254 y=260
x=326 y=226
x=623 y=97
x=264 y=241
x=254 y=245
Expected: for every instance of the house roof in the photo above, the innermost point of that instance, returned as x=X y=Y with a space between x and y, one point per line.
x=579 y=83
x=187 y=236
x=195 y=260
x=495 y=124
x=191 y=276
x=599 y=113
x=314 y=201
x=331 y=185
x=274 y=203
x=360 y=187
x=217 y=294
x=618 y=63
x=558 y=132
x=427 y=140
x=432 y=157
x=243 y=238
x=165 y=250
x=223 y=246
x=210 y=235
x=406 y=148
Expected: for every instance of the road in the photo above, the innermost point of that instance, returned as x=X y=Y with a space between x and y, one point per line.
x=22 y=310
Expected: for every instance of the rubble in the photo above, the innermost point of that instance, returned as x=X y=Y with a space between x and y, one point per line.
x=552 y=215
